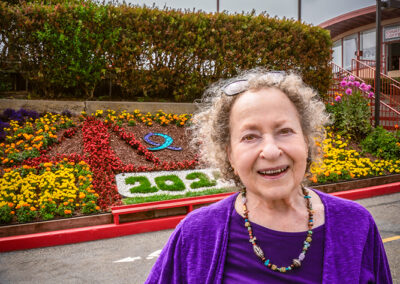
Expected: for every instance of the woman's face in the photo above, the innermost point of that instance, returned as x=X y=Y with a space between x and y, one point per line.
x=268 y=149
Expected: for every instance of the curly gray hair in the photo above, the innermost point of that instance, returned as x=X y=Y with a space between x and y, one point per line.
x=210 y=124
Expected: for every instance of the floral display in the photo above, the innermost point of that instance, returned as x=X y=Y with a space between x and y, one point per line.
x=37 y=183
x=342 y=162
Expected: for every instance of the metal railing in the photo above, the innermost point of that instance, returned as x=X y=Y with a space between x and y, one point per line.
x=390 y=92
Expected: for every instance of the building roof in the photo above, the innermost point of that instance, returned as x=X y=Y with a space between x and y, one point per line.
x=357 y=18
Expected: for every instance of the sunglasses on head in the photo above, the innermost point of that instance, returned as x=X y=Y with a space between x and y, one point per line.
x=241 y=85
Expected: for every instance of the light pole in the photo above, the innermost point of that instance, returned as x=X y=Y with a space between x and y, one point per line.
x=217 y=6
x=378 y=62
x=299 y=10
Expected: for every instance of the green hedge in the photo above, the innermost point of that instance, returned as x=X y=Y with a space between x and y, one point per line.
x=70 y=48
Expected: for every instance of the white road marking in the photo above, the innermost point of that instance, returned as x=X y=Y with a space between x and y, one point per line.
x=128 y=259
x=155 y=254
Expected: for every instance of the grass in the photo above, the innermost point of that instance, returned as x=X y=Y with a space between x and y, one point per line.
x=161 y=197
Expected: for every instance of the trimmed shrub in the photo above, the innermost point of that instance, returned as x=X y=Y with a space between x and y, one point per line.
x=382 y=144
x=172 y=55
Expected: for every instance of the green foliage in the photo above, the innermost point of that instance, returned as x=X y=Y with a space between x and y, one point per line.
x=173 y=55
x=48 y=210
x=382 y=144
x=89 y=208
x=5 y=214
x=169 y=183
x=203 y=180
x=351 y=116
x=64 y=46
x=143 y=187
x=25 y=214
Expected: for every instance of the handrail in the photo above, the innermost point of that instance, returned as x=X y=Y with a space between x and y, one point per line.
x=372 y=69
x=389 y=103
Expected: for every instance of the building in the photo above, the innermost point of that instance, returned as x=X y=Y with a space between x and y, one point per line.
x=354 y=38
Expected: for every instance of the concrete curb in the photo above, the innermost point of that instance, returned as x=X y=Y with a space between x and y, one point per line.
x=76 y=107
x=70 y=236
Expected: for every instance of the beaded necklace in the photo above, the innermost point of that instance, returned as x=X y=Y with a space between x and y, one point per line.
x=259 y=252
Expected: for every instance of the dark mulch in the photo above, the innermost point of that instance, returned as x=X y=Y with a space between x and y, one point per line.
x=126 y=153
x=68 y=146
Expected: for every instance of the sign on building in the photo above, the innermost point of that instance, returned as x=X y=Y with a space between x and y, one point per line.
x=391 y=33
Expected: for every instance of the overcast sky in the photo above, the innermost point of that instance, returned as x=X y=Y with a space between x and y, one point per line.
x=313 y=11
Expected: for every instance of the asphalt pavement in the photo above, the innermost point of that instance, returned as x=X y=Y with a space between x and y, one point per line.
x=129 y=259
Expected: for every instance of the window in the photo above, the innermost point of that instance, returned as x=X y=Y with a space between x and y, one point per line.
x=349 y=50
x=367 y=44
x=337 y=53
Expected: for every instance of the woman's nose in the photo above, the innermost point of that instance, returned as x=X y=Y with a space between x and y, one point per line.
x=270 y=150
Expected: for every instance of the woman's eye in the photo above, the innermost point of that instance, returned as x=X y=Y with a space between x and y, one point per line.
x=248 y=137
x=286 y=131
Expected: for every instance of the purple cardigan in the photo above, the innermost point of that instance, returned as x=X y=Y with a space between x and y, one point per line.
x=196 y=250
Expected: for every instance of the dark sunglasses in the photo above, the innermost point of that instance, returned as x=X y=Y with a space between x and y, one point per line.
x=239 y=86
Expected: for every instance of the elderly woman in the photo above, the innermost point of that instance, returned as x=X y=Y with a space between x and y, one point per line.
x=260 y=129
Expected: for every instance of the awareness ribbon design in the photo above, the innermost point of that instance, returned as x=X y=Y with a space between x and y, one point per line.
x=167 y=142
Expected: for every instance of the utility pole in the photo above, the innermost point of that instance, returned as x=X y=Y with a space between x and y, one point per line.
x=299 y=10
x=217 y=6
x=378 y=62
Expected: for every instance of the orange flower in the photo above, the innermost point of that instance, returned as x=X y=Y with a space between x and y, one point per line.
x=10 y=204
x=97 y=207
x=12 y=212
x=65 y=203
x=67 y=212
x=396 y=126
x=33 y=208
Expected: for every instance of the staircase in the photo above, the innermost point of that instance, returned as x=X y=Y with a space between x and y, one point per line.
x=389 y=97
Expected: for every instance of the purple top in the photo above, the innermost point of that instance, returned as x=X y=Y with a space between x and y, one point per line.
x=196 y=251
x=243 y=266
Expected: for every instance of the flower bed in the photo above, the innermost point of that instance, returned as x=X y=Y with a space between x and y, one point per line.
x=58 y=166
x=38 y=184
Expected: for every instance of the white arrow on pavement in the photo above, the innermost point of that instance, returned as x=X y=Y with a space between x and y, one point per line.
x=155 y=254
x=128 y=259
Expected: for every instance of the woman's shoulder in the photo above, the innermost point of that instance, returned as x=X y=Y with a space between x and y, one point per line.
x=343 y=208
x=210 y=215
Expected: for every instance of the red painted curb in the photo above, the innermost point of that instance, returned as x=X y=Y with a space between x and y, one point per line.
x=92 y=233
x=70 y=236
x=369 y=191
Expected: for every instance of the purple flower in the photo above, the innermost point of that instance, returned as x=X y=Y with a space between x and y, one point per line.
x=363 y=87
x=357 y=84
x=370 y=95
x=351 y=84
x=343 y=83
x=368 y=88
x=338 y=98
x=351 y=78
x=349 y=91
